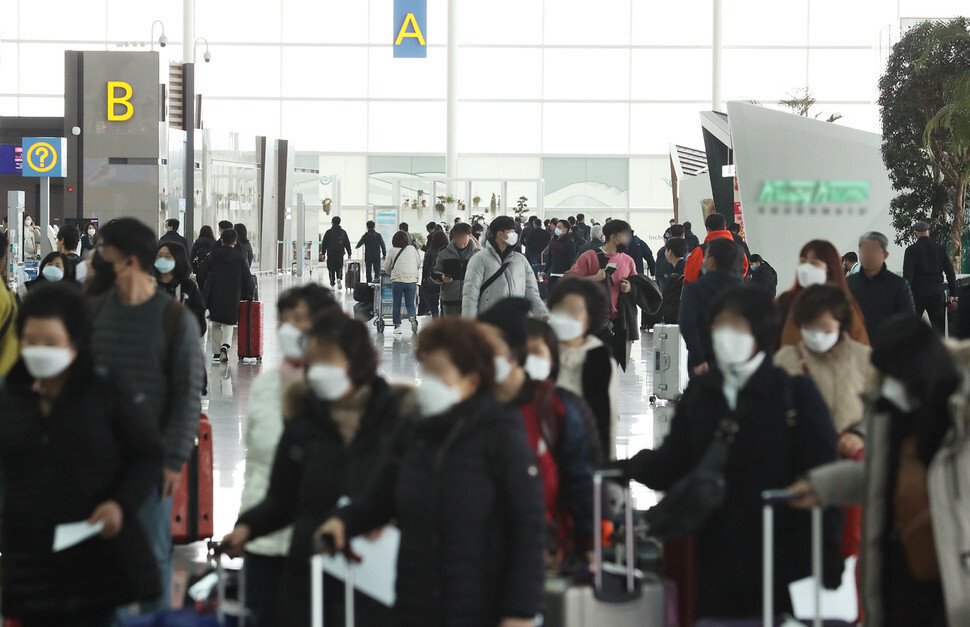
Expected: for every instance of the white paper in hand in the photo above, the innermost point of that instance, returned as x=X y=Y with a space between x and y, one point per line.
x=376 y=575
x=71 y=534
x=840 y=604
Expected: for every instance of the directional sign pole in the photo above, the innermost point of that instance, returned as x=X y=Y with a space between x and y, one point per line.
x=45 y=216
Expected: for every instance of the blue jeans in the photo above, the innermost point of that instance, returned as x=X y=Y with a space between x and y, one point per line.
x=409 y=292
x=155 y=516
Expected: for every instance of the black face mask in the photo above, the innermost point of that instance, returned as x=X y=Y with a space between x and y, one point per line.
x=103 y=270
x=622 y=248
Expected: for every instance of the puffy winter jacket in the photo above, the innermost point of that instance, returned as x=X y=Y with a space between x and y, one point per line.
x=518 y=279
x=465 y=491
x=96 y=445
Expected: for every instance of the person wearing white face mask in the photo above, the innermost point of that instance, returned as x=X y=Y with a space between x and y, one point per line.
x=337 y=426
x=586 y=365
x=54 y=268
x=88 y=237
x=463 y=485
x=266 y=556
x=911 y=559
x=498 y=272
x=73 y=445
x=32 y=237
x=818 y=264
x=172 y=274
x=556 y=427
x=783 y=430
x=561 y=255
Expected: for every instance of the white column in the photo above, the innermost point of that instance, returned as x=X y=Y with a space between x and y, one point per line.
x=188 y=31
x=451 y=149
x=44 y=219
x=718 y=46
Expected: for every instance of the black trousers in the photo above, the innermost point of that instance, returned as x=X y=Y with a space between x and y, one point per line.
x=373 y=265
x=335 y=265
x=934 y=304
x=263 y=576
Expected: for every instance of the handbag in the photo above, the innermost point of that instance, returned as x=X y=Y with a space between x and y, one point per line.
x=690 y=502
x=914 y=522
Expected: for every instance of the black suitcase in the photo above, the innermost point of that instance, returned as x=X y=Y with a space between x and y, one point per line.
x=364 y=293
x=352 y=275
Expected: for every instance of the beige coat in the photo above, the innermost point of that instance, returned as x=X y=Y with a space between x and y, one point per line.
x=842 y=375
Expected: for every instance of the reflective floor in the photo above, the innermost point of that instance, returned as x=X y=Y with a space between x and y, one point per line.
x=229 y=390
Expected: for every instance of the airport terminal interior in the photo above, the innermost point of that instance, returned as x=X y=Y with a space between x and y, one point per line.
x=761 y=203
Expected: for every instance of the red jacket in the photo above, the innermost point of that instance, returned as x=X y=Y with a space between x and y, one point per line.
x=692 y=268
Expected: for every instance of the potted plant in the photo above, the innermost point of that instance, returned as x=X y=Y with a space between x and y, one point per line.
x=414 y=203
x=493 y=205
x=477 y=200
x=449 y=199
x=521 y=207
x=439 y=209
x=326 y=205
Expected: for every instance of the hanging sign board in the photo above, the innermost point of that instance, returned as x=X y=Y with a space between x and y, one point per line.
x=410 y=29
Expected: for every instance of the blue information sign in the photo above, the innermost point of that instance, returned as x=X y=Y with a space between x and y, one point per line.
x=45 y=156
x=410 y=29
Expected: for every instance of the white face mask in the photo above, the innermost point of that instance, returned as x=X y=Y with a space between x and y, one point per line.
x=45 y=362
x=52 y=273
x=28 y=222
x=292 y=341
x=565 y=327
x=538 y=368
x=329 y=383
x=809 y=275
x=502 y=369
x=164 y=265
x=894 y=391
x=732 y=347
x=435 y=397
x=512 y=238
x=91 y=232
x=819 y=341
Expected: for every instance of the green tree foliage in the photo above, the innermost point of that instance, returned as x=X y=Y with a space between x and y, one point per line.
x=922 y=128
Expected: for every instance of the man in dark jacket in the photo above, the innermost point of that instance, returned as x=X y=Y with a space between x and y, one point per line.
x=697 y=300
x=334 y=244
x=68 y=239
x=449 y=268
x=375 y=251
x=692 y=240
x=228 y=281
x=172 y=233
x=669 y=312
x=585 y=228
x=538 y=241
x=880 y=293
x=763 y=275
x=924 y=265
x=641 y=252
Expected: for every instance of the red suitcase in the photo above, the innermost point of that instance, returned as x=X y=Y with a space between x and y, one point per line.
x=250 y=330
x=192 y=504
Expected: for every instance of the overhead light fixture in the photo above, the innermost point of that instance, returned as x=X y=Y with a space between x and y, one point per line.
x=208 y=55
x=162 y=39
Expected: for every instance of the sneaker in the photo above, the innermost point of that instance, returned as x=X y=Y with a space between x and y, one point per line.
x=398 y=331
x=224 y=354
x=414 y=325
x=216 y=358
x=340 y=285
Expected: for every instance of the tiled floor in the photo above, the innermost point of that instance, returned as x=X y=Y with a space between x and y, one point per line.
x=229 y=389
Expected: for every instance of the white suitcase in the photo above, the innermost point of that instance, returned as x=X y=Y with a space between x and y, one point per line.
x=670 y=362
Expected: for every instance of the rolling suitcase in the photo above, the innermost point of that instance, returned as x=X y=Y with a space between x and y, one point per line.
x=620 y=596
x=670 y=363
x=352 y=275
x=250 y=330
x=771 y=499
x=192 y=503
x=316 y=588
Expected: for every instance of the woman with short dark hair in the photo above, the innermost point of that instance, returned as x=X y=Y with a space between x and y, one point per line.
x=200 y=251
x=578 y=308
x=73 y=447
x=338 y=423
x=463 y=486
x=784 y=430
x=245 y=247
x=54 y=267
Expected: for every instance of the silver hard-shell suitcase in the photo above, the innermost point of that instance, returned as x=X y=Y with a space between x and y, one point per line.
x=620 y=596
x=670 y=362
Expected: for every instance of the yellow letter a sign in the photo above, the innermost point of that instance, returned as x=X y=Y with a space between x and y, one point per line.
x=416 y=33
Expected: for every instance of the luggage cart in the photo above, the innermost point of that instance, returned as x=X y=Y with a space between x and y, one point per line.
x=384 y=304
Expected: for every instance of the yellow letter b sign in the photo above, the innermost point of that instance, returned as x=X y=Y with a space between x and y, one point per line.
x=410 y=28
x=115 y=100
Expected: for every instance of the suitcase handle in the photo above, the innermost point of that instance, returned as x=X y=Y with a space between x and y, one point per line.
x=661 y=362
x=771 y=499
x=598 y=477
